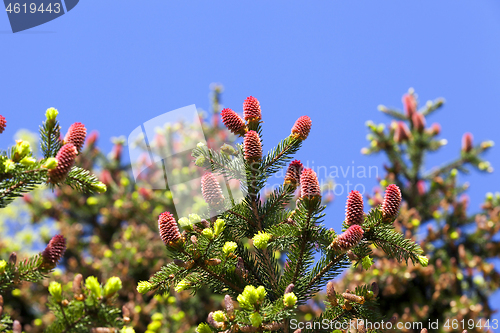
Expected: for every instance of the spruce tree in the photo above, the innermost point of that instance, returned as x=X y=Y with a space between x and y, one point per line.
x=230 y=248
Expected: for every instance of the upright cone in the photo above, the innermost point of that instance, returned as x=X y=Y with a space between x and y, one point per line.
x=211 y=191
x=65 y=159
x=354 y=213
x=169 y=231
x=392 y=201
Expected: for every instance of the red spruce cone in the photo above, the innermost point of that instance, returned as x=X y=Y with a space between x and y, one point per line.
x=54 y=251
x=253 y=147
x=76 y=135
x=233 y=121
x=302 y=127
x=169 y=231
x=349 y=239
x=402 y=133
x=354 y=213
x=211 y=191
x=392 y=201
x=467 y=142
x=410 y=105
x=251 y=109
x=418 y=121
x=3 y=123
x=65 y=159
x=309 y=185
x=293 y=173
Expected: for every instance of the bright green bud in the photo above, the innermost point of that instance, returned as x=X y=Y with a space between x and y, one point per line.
x=22 y=149
x=99 y=187
x=93 y=285
x=203 y=328
x=9 y=165
x=219 y=226
x=289 y=300
x=256 y=319
x=251 y=296
x=144 y=286
x=200 y=161
x=51 y=114
x=367 y=262
x=182 y=285
x=219 y=316
x=27 y=161
x=194 y=218
x=112 y=286
x=261 y=239
x=200 y=144
x=3 y=264
x=424 y=261
x=55 y=289
x=127 y=330
x=228 y=149
x=261 y=293
x=185 y=224
x=50 y=163
x=154 y=326
x=157 y=316
x=453 y=172
x=229 y=247
x=208 y=232
x=92 y=201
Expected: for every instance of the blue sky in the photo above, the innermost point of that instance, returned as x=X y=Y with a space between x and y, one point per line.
x=114 y=65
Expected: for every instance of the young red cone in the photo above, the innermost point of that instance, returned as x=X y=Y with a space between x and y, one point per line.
x=65 y=159
x=467 y=142
x=293 y=172
x=169 y=231
x=253 y=147
x=418 y=121
x=76 y=135
x=211 y=191
x=401 y=133
x=392 y=201
x=54 y=251
x=3 y=123
x=410 y=104
x=354 y=213
x=309 y=185
x=233 y=122
x=348 y=239
x=302 y=127
x=251 y=109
